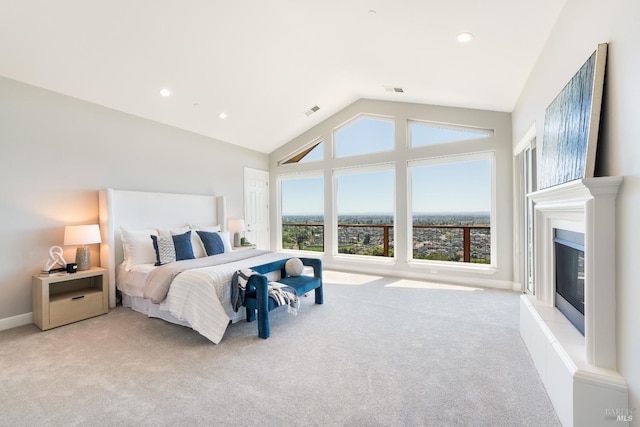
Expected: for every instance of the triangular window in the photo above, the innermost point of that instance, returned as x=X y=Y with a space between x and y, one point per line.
x=424 y=133
x=364 y=135
x=311 y=153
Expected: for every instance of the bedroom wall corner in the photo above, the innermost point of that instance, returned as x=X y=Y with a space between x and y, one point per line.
x=58 y=152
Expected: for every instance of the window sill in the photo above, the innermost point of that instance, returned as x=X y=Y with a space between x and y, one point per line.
x=435 y=266
x=365 y=259
x=298 y=253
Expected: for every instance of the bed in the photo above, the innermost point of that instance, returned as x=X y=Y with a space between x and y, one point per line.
x=194 y=292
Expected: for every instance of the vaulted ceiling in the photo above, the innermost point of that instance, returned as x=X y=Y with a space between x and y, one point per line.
x=265 y=63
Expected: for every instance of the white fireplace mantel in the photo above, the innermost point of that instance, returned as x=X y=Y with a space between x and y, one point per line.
x=578 y=372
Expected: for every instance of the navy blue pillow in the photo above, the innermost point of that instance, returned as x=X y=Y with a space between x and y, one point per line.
x=182 y=243
x=212 y=242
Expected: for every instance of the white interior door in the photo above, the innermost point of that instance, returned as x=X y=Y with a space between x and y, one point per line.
x=256 y=207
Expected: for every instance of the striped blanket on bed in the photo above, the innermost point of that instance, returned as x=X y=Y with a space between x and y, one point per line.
x=280 y=293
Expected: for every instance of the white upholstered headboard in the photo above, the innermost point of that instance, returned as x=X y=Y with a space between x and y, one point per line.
x=139 y=209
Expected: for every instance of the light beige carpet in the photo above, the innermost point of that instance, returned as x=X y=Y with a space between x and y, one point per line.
x=380 y=351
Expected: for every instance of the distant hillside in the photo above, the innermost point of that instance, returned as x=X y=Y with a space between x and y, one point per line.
x=439 y=218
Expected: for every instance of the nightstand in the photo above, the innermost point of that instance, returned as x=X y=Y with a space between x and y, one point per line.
x=242 y=248
x=66 y=298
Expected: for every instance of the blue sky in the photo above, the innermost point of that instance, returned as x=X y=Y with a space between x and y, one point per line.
x=444 y=187
x=303 y=196
x=364 y=136
x=370 y=192
x=452 y=187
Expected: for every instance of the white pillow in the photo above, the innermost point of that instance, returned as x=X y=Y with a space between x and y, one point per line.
x=138 y=247
x=226 y=240
x=294 y=267
x=196 y=244
x=209 y=228
x=168 y=232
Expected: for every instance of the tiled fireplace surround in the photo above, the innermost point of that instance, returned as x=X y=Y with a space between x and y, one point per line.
x=578 y=372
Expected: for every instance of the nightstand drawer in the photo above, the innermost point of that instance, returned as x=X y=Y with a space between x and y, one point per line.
x=76 y=305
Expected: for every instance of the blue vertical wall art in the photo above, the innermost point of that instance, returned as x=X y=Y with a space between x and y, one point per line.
x=571 y=125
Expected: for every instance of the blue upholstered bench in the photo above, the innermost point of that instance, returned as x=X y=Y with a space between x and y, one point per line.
x=257 y=294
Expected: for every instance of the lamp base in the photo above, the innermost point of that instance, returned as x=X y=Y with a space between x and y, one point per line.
x=82 y=258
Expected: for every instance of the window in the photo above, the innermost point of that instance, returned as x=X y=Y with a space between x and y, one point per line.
x=364 y=135
x=424 y=133
x=365 y=211
x=451 y=204
x=526 y=172
x=312 y=153
x=440 y=179
x=302 y=212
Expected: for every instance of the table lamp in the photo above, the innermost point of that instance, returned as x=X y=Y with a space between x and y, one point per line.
x=82 y=235
x=236 y=226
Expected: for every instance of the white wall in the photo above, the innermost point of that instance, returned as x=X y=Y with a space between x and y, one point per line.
x=57 y=152
x=582 y=25
x=500 y=143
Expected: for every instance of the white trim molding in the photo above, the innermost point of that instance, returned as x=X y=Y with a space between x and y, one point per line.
x=15 y=321
x=526 y=139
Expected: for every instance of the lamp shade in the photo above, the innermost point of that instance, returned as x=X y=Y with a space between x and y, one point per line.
x=236 y=225
x=82 y=234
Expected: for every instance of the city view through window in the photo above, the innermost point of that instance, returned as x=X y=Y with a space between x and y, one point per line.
x=450 y=205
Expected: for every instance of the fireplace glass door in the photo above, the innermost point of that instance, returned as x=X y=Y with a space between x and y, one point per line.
x=569 y=273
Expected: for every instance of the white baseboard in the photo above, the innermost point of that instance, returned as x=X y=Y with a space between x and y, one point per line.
x=474 y=281
x=15 y=321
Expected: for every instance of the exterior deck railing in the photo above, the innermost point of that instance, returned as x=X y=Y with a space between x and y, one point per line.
x=314 y=239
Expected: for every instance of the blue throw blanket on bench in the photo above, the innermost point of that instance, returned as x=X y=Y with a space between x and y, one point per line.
x=281 y=294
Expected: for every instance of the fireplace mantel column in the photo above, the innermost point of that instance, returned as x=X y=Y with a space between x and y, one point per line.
x=578 y=372
x=586 y=206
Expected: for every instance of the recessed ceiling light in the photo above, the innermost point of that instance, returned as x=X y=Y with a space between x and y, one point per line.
x=464 y=37
x=165 y=92
x=222 y=115
x=372 y=12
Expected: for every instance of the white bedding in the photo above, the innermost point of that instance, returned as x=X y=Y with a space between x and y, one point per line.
x=131 y=280
x=199 y=297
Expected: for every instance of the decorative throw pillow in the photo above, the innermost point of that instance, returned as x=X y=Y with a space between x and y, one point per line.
x=165 y=251
x=294 y=267
x=213 y=244
x=182 y=243
x=198 y=246
x=172 y=248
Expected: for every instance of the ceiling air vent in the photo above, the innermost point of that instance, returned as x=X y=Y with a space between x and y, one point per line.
x=394 y=89
x=312 y=110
